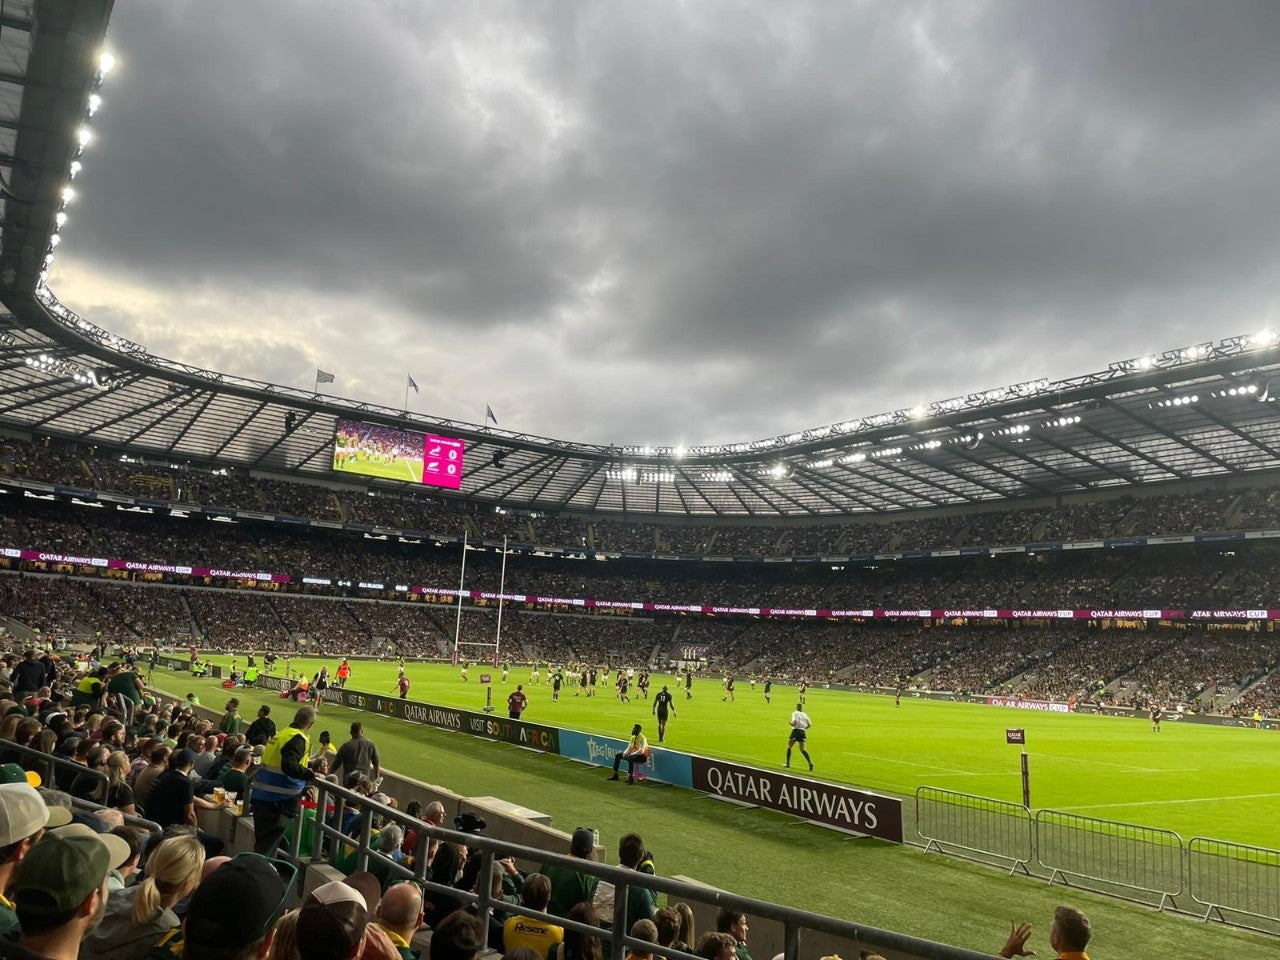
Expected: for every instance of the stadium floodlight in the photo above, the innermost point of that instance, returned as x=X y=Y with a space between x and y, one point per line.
x=106 y=63
x=68 y=194
x=95 y=101
x=679 y=453
x=54 y=240
x=84 y=136
x=60 y=219
x=1264 y=338
x=919 y=411
x=75 y=168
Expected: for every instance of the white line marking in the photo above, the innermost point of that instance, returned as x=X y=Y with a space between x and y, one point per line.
x=1154 y=803
x=908 y=763
x=1106 y=763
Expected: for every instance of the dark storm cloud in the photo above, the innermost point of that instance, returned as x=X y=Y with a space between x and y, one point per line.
x=698 y=222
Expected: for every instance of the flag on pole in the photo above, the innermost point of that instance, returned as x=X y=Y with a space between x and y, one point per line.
x=488 y=415
x=323 y=376
x=412 y=384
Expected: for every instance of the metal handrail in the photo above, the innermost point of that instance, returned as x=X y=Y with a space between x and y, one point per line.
x=130 y=819
x=52 y=763
x=794 y=920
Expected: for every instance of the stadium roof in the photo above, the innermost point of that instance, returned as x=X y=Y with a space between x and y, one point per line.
x=1198 y=411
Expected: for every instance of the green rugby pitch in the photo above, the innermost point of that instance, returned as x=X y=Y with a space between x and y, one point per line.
x=774 y=857
x=1195 y=779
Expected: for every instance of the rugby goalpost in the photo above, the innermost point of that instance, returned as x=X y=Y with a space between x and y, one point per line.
x=462 y=648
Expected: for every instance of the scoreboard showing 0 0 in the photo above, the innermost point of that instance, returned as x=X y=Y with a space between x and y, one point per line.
x=442 y=462
x=404 y=455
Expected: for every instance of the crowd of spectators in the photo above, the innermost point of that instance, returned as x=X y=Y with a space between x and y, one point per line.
x=1160 y=514
x=1197 y=664
x=91 y=881
x=228 y=618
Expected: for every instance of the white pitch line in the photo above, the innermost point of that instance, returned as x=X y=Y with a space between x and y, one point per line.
x=908 y=763
x=1105 y=763
x=1153 y=803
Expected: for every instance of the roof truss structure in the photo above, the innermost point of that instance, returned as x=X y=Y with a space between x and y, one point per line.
x=1197 y=412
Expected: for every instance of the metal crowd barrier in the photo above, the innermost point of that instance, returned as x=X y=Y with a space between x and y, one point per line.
x=979 y=827
x=1130 y=858
x=1234 y=883
x=327 y=839
x=1234 y=877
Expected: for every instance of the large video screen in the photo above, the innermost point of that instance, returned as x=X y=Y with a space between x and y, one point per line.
x=397 y=454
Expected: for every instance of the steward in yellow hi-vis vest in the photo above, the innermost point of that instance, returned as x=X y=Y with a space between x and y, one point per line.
x=89 y=690
x=280 y=782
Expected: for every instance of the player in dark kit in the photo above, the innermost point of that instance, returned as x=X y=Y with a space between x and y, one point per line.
x=728 y=689
x=643 y=684
x=582 y=684
x=622 y=688
x=768 y=689
x=661 y=704
x=688 y=684
x=591 y=682
x=557 y=679
x=1156 y=716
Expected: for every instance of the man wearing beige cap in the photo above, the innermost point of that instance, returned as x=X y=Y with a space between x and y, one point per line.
x=23 y=818
x=60 y=893
x=334 y=924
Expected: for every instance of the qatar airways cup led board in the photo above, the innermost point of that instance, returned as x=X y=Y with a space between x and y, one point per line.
x=375 y=451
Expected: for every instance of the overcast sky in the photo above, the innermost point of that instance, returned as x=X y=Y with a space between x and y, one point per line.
x=678 y=222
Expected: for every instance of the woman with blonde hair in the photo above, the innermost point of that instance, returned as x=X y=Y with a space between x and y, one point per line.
x=285 y=945
x=138 y=916
x=687 y=936
x=119 y=793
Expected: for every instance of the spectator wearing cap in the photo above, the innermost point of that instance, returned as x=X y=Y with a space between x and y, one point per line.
x=59 y=892
x=232 y=914
x=400 y=915
x=333 y=924
x=173 y=800
x=642 y=902
x=23 y=818
x=568 y=886
x=140 y=915
x=281 y=779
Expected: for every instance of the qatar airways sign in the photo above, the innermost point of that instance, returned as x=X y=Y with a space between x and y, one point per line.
x=1020 y=704
x=141 y=567
x=814 y=800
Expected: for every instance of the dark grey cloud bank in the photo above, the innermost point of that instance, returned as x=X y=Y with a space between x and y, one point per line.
x=679 y=222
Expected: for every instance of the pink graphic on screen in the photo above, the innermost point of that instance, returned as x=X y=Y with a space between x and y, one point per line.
x=442 y=461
